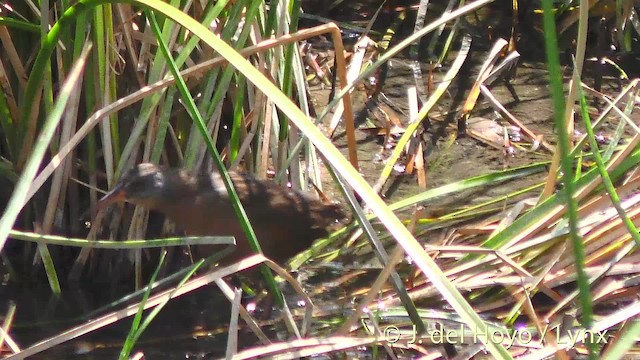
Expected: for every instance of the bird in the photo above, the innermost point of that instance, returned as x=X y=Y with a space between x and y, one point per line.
x=285 y=221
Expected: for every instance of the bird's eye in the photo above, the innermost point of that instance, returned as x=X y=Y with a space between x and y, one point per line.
x=158 y=181
x=145 y=185
x=136 y=187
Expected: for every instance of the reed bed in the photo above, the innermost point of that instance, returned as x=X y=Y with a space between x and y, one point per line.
x=546 y=269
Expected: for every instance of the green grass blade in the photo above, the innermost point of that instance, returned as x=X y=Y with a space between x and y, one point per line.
x=31 y=167
x=134 y=332
x=602 y=169
x=557 y=97
x=199 y=122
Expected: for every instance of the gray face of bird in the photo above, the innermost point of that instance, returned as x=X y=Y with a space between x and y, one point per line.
x=140 y=185
x=145 y=186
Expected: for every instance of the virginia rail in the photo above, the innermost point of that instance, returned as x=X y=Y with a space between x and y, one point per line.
x=285 y=221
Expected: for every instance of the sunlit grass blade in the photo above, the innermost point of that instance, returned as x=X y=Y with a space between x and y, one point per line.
x=415 y=123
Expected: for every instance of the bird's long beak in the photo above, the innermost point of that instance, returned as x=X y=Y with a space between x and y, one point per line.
x=117 y=194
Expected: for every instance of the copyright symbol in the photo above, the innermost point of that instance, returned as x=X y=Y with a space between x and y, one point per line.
x=392 y=333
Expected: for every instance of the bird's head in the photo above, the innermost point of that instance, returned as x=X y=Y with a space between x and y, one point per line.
x=142 y=185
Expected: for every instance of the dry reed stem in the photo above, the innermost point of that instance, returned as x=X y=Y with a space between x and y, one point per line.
x=138 y=95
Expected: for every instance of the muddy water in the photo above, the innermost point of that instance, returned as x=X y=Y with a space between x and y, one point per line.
x=449 y=161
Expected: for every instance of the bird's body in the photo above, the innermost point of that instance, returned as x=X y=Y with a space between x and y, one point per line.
x=285 y=221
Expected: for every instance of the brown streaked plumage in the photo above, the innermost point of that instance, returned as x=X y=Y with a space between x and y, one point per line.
x=285 y=221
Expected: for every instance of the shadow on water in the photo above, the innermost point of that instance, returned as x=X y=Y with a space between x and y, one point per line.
x=188 y=327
